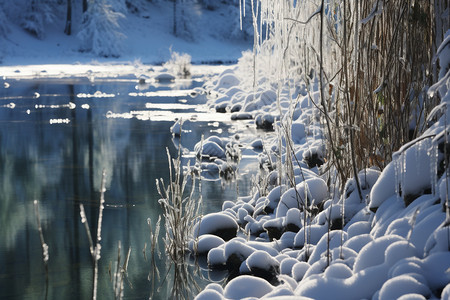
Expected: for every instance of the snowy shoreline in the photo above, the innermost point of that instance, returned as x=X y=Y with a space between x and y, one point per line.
x=300 y=238
x=97 y=70
x=305 y=231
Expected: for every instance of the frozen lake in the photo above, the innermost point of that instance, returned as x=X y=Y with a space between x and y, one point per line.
x=56 y=137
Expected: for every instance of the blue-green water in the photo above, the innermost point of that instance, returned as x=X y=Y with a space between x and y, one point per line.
x=56 y=137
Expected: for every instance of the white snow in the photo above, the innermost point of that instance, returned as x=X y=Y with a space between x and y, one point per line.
x=205 y=243
x=215 y=221
x=313 y=190
x=148 y=38
x=394 y=240
x=247 y=286
x=262 y=260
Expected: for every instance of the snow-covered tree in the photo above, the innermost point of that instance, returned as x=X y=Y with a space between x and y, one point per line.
x=37 y=14
x=241 y=26
x=4 y=30
x=4 y=27
x=68 y=28
x=185 y=19
x=100 y=33
x=118 y=6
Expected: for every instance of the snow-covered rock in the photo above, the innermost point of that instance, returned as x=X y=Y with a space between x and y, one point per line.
x=247 y=286
x=310 y=192
x=165 y=77
x=219 y=224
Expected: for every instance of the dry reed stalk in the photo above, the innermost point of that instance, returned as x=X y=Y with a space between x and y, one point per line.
x=95 y=250
x=44 y=246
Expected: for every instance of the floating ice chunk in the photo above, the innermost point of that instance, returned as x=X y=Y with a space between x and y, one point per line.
x=247 y=286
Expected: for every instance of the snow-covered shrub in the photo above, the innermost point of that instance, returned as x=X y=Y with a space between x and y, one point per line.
x=179 y=64
x=100 y=33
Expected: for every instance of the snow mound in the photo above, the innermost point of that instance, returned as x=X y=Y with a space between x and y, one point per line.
x=165 y=77
x=219 y=224
x=247 y=286
x=309 y=192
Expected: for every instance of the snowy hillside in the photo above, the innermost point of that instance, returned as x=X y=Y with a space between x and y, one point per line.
x=147 y=35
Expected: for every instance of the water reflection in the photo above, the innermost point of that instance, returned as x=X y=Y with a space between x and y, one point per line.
x=60 y=164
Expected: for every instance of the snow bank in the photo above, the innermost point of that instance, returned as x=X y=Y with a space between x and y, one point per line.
x=389 y=241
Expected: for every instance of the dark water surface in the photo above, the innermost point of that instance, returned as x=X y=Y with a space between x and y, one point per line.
x=56 y=137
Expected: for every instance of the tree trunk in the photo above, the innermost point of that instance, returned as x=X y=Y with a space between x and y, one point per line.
x=175 y=17
x=68 y=29
x=85 y=5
